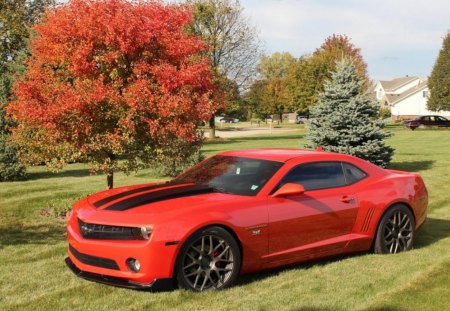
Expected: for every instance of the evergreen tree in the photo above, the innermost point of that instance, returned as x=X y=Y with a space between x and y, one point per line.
x=439 y=81
x=345 y=119
x=10 y=167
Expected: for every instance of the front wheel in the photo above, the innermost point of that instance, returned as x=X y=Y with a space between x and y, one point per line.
x=395 y=232
x=210 y=259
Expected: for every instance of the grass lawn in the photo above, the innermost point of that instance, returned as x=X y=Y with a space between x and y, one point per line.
x=33 y=275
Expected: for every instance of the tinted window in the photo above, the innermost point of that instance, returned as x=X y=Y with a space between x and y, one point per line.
x=352 y=173
x=317 y=175
x=234 y=175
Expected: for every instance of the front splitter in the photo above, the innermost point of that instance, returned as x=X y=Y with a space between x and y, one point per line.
x=157 y=285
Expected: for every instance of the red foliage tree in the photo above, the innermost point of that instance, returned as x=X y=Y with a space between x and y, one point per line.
x=337 y=47
x=110 y=78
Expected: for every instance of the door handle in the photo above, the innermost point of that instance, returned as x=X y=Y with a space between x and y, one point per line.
x=347 y=199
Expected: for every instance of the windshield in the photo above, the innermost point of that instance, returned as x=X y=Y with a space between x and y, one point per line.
x=235 y=175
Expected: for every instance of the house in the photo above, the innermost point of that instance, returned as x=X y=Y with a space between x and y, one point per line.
x=406 y=97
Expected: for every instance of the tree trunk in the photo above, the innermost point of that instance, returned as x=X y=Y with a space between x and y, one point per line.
x=281 y=117
x=110 y=174
x=212 y=127
x=110 y=180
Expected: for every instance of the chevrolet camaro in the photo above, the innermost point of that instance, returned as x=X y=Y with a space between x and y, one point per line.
x=240 y=212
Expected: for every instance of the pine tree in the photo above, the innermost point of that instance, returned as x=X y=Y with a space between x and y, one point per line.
x=439 y=81
x=345 y=119
x=10 y=167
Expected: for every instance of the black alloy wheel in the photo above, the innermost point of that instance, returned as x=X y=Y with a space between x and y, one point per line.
x=209 y=260
x=395 y=232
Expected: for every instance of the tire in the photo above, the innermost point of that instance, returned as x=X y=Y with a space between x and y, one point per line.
x=395 y=231
x=200 y=267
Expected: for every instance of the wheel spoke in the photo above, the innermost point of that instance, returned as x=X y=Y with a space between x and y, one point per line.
x=204 y=282
x=225 y=260
x=196 y=249
x=203 y=245
x=196 y=279
x=191 y=257
x=218 y=246
x=396 y=247
x=210 y=245
x=407 y=225
x=224 y=252
x=197 y=272
x=189 y=265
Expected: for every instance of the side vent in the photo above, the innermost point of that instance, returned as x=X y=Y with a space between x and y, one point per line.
x=367 y=220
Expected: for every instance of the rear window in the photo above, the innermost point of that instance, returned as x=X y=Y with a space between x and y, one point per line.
x=317 y=175
x=352 y=173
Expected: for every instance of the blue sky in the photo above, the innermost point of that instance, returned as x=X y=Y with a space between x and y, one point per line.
x=397 y=37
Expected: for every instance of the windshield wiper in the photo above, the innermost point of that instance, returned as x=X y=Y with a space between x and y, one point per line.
x=220 y=189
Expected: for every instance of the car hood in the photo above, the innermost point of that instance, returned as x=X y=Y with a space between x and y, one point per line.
x=158 y=202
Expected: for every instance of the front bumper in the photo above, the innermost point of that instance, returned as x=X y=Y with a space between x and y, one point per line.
x=164 y=284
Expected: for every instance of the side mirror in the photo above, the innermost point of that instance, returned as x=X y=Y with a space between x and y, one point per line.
x=288 y=189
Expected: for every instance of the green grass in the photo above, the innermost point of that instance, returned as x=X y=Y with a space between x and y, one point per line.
x=32 y=248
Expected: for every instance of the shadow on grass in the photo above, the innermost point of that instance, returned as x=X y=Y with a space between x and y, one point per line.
x=412 y=166
x=44 y=234
x=432 y=231
x=80 y=172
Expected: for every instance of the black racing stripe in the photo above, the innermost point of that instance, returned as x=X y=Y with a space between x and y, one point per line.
x=165 y=194
x=126 y=193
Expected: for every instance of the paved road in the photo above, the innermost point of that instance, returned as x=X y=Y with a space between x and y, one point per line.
x=241 y=132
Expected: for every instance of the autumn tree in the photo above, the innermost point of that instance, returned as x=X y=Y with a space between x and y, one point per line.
x=113 y=82
x=273 y=71
x=307 y=78
x=233 y=44
x=439 y=80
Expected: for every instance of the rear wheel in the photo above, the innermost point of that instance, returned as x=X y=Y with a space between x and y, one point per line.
x=208 y=260
x=395 y=232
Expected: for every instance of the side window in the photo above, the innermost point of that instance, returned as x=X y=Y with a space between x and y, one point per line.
x=352 y=173
x=318 y=175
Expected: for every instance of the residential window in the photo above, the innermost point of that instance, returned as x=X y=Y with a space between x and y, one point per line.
x=425 y=94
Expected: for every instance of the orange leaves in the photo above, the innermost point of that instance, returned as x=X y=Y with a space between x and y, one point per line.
x=108 y=77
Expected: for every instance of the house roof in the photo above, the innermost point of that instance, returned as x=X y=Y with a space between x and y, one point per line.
x=395 y=98
x=394 y=84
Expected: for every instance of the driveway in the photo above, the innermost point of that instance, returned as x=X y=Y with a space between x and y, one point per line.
x=249 y=131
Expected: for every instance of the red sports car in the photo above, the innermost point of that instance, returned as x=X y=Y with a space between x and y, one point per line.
x=240 y=212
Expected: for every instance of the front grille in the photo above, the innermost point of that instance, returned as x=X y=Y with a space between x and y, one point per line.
x=104 y=232
x=93 y=260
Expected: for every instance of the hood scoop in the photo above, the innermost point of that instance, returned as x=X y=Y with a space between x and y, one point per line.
x=163 y=194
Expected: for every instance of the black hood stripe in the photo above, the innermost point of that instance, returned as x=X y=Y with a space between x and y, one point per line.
x=156 y=196
x=127 y=193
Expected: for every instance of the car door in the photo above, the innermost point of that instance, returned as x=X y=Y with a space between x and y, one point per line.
x=443 y=121
x=316 y=220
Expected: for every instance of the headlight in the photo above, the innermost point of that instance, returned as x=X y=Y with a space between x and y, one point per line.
x=106 y=232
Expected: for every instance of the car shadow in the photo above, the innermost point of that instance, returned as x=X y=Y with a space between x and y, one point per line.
x=412 y=166
x=433 y=230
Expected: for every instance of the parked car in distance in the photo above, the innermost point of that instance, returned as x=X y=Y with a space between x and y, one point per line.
x=427 y=121
x=229 y=120
x=300 y=119
x=240 y=212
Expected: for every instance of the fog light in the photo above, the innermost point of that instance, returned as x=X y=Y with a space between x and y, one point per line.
x=133 y=264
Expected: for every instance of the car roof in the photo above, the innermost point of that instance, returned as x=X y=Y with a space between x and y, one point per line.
x=275 y=154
